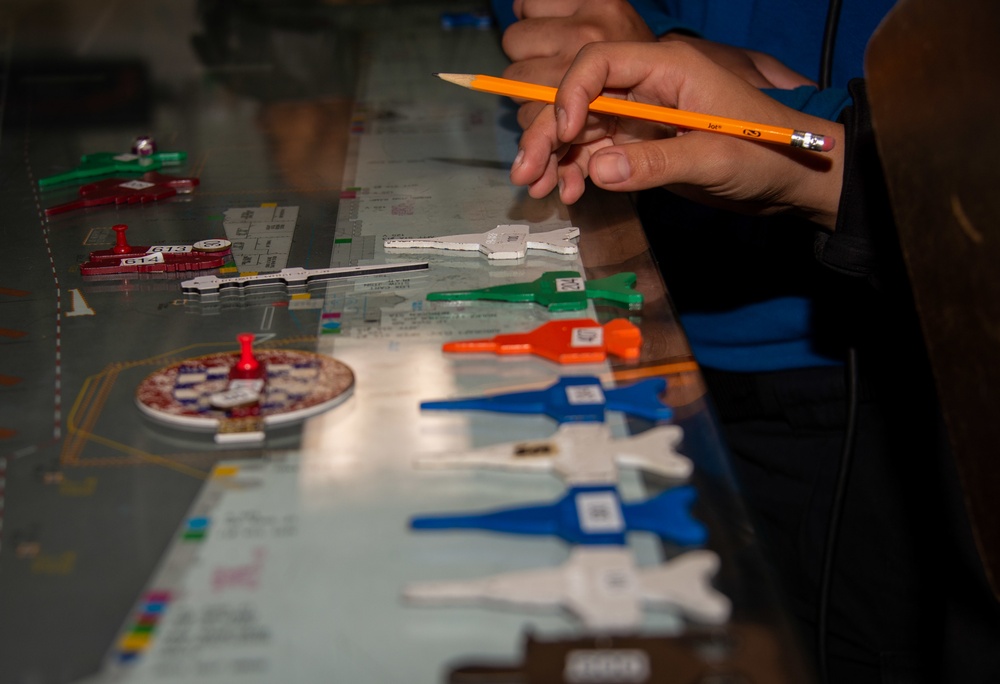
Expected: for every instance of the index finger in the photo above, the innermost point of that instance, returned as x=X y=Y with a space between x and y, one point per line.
x=667 y=74
x=534 y=37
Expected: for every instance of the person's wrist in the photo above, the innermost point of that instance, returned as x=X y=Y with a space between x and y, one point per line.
x=819 y=199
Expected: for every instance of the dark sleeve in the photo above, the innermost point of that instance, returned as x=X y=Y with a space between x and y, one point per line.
x=660 y=19
x=863 y=243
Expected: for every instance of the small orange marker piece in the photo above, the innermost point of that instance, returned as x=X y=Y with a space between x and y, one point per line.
x=623 y=339
x=577 y=340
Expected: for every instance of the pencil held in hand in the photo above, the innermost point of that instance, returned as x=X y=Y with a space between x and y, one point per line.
x=637 y=110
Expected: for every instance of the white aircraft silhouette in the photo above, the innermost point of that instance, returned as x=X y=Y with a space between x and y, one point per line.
x=579 y=453
x=600 y=585
x=503 y=242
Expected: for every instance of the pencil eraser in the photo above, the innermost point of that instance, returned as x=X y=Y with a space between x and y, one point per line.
x=828 y=143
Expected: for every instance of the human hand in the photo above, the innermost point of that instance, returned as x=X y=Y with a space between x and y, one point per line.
x=566 y=144
x=756 y=68
x=548 y=34
x=544 y=41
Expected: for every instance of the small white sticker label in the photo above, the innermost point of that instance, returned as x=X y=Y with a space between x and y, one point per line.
x=136 y=185
x=143 y=260
x=587 y=337
x=169 y=249
x=607 y=665
x=238 y=393
x=578 y=395
x=570 y=285
x=127 y=157
x=599 y=512
x=615 y=582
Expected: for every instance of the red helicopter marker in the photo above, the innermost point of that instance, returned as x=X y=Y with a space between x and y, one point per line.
x=149 y=187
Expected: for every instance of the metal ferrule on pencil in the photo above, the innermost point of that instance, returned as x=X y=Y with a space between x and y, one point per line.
x=809 y=141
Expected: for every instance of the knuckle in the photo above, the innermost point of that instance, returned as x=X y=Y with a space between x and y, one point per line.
x=648 y=163
x=682 y=51
x=590 y=50
x=589 y=34
x=510 y=42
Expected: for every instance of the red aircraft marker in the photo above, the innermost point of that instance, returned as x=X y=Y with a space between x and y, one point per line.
x=578 y=340
x=124 y=258
x=149 y=187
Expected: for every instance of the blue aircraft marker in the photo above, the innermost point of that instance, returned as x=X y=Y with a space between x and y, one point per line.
x=587 y=515
x=578 y=398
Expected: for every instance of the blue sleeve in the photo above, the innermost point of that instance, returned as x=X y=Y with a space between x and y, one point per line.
x=659 y=19
x=826 y=104
x=503 y=11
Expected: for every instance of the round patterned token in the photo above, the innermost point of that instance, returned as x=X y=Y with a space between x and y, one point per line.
x=212 y=245
x=299 y=384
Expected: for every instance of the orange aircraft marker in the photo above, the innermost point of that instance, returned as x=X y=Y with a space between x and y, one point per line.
x=577 y=340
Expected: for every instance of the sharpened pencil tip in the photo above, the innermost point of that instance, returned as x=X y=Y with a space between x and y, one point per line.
x=464 y=80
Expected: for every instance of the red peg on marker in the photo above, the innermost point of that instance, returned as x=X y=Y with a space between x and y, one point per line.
x=121 y=242
x=578 y=340
x=248 y=367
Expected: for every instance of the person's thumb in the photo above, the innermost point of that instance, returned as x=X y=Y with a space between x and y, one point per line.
x=644 y=165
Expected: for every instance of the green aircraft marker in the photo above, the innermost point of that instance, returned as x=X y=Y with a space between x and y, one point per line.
x=557 y=290
x=109 y=163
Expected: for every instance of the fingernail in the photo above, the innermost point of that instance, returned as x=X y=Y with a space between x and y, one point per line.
x=611 y=168
x=560 y=122
x=562 y=185
x=519 y=158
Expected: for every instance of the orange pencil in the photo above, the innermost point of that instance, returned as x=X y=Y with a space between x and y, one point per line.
x=638 y=110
